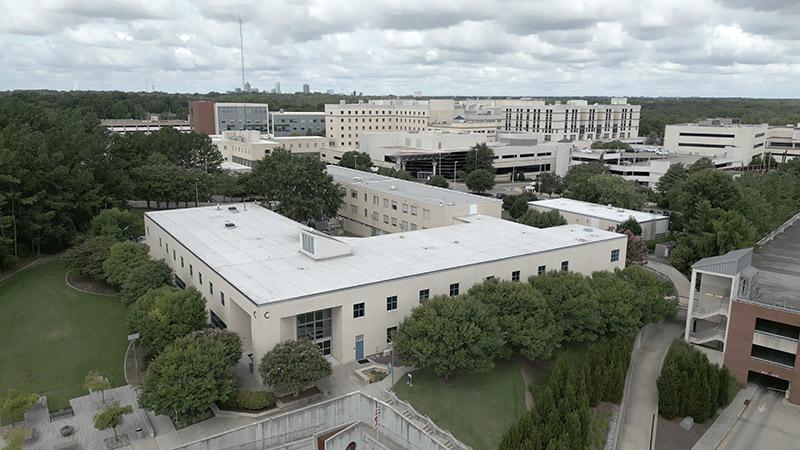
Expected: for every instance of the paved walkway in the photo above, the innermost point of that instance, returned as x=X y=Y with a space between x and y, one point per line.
x=637 y=422
x=727 y=418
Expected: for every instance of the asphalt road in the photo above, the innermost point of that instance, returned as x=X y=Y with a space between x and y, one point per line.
x=769 y=422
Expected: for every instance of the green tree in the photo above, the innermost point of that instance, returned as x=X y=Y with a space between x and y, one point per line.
x=118 y=224
x=630 y=224
x=15 y=436
x=111 y=417
x=152 y=274
x=438 y=181
x=635 y=250
x=525 y=319
x=540 y=219
x=520 y=204
x=356 y=160
x=618 y=305
x=655 y=296
x=669 y=185
x=16 y=403
x=122 y=259
x=569 y=296
x=717 y=188
x=298 y=186
x=607 y=189
x=229 y=341
x=449 y=335
x=93 y=381
x=701 y=164
x=480 y=180
x=293 y=366
x=479 y=156
x=549 y=183
x=188 y=377
x=88 y=254
x=165 y=314
x=577 y=175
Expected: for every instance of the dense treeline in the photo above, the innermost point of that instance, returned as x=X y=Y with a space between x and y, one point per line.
x=496 y=318
x=656 y=112
x=561 y=418
x=689 y=385
x=137 y=105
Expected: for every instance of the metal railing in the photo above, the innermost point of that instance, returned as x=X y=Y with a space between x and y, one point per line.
x=716 y=333
x=425 y=420
x=61 y=413
x=711 y=309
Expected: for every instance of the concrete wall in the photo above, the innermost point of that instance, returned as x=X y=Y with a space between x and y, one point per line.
x=298 y=429
x=266 y=325
x=650 y=230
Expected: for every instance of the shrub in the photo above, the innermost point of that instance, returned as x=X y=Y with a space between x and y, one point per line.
x=249 y=400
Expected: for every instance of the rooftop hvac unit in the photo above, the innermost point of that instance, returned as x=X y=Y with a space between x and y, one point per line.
x=230 y=225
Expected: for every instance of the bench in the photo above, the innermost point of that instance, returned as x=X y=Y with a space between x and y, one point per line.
x=68 y=446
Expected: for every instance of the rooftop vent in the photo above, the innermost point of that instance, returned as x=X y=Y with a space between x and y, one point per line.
x=230 y=225
x=231 y=208
x=588 y=229
x=393 y=187
x=357 y=179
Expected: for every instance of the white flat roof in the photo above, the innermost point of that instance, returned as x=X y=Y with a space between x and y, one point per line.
x=604 y=212
x=420 y=192
x=261 y=255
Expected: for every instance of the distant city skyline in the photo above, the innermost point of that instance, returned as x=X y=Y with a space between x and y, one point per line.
x=706 y=48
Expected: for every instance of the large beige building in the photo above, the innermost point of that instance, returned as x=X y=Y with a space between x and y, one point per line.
x=375 y=204
x=603 y=216
x=576 y=120
x=783 y=142
x=345 y=123
x=716 y=138
x=271 y=279
x=249 y=147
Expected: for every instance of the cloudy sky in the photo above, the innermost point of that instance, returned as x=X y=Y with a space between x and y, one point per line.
x=739 y=48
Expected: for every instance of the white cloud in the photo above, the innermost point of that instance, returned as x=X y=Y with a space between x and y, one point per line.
x=456 y=47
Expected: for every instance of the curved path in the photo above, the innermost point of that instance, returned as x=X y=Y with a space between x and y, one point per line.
x=638 y=414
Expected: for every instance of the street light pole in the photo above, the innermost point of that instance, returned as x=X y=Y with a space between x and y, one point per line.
x=196 y=195
x=391 y=344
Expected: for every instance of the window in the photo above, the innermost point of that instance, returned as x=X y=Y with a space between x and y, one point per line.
x=375 y=215
x=404 y=225
x=222 y=297
x=191 y=270
x=353 y=194
x=394 y=221
x=354 y=209
x=167 y=248
x=515 y=275
x=211 y=288
x=394 y=205
x=174 y=258
x=179 y=282
x=375 y=200
x=413 y=210
x=405 y=207
x=308 y=243
x=542 y=269
x=386 y=203
x=389 y=332
x=425 y=293
x=358 y=310
x=413 y=226
x=181 y=261
x=385 y=218
x=391 y=303
x=565 y=265
x=159 y=242
x=366 y=214
x=426 y=213
x=615 y=255
x=454 y=289
x=200 y=278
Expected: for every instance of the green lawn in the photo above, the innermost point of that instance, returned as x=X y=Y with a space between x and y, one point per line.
x=477 y=409
x=51 y=335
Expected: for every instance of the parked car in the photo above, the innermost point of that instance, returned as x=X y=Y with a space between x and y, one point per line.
x=500 y=195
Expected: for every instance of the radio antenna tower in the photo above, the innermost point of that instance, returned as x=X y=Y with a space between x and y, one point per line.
x=241 y=51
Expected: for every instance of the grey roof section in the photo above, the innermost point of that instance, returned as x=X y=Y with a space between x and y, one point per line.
x=778 y=263
x=605 y=212
x=420 y=192
x=730 y=263
x=261 y=255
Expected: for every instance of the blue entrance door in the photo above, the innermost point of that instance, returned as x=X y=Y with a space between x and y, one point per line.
x=360 y=347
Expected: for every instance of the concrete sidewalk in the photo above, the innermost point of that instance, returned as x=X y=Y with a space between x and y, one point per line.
x=726 y=419
x=681 y=282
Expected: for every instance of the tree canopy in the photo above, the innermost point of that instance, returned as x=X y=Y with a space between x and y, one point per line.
x=160 y=316
x=294 y=365
x=607 y=189
x=356 y=160
x=438 y=181
x=480 y=180
x=479 y=156
x=449 y=335
x=118 y=224
x=152 y=274
x=111 y=417
x=123 y=257
x=297 y=186
x=540 y=219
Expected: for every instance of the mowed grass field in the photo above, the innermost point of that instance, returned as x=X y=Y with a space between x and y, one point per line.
x=476 y=408
x=52 y=335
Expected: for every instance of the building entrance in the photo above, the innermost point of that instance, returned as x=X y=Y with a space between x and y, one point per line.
x=768 y=381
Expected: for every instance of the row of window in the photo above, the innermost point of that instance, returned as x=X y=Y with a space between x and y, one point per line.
x=375 y=113
x=191 y=270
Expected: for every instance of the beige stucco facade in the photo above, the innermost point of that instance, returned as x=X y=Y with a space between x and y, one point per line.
x=249 y=147
x=604 y=217
x=264 y=325
x=715 y=138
